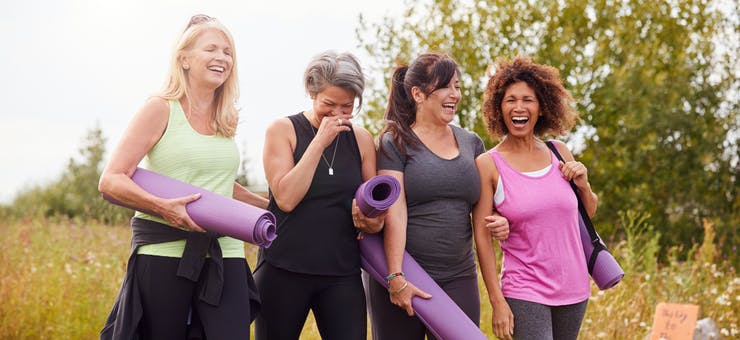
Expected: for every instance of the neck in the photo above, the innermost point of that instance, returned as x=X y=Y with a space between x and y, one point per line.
x=201 y=103
x=521 y=143
x=429 y=127
x=311 y=116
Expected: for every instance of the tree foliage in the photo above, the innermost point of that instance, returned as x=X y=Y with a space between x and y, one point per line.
x=657 y=87
x=75 y=194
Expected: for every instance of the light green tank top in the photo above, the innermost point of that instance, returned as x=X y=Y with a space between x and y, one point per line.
x=209 y=162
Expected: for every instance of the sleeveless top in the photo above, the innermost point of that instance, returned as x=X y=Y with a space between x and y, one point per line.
x=440 y=194
x=543 y=256
x=318 y=237
x=206 y=161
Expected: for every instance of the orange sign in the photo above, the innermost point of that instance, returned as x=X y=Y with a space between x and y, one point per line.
x=674 y=322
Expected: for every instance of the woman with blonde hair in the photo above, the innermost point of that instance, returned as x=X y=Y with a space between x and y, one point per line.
x=182 y=281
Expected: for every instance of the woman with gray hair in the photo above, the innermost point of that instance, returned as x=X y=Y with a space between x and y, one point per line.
x=314 y=161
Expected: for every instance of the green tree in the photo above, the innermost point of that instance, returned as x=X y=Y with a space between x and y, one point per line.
x=658 y=96
x=75 y=194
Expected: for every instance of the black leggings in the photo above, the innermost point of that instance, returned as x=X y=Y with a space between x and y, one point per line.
x=337 y=302
x=172 y=309
x=537 y=321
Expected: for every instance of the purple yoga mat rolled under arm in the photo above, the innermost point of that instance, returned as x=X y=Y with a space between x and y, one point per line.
x=606 y=272
x=440 y=314
x=377 y=194
x=214 y=212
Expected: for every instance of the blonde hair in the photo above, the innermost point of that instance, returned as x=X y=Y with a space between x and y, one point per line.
x=226 y=115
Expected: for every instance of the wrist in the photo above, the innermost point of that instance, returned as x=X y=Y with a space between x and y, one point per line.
x=393 y=276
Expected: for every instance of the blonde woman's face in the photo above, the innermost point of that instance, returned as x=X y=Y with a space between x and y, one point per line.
x=210 y=60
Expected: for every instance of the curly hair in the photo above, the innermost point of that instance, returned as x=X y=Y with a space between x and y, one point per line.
x=557 y=114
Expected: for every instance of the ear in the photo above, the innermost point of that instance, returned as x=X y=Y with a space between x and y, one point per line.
x=417 y=94
x=183 y=59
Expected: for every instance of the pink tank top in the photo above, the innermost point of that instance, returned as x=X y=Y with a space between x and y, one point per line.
x=543 y=256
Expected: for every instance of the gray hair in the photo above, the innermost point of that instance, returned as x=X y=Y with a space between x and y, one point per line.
x=334 y=69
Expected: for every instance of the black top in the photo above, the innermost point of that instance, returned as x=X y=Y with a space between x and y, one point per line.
x=318 y=236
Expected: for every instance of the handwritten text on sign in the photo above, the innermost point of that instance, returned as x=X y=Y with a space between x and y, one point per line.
x=674 y=322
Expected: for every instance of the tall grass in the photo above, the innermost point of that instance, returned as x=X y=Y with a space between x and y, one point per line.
x=58 y=280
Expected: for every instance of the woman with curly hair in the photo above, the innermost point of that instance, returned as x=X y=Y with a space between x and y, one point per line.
x=544 y=286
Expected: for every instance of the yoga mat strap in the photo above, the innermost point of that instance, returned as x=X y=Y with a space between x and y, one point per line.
x=604 y=270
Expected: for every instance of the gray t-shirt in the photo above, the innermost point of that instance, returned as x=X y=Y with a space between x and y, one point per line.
x=440 y=195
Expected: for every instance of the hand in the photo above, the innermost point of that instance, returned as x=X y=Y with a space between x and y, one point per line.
x=174 y=212
x=502 y=320
x=498 y=226
x=576 y=171
x=401 y=293
x=330 y=127
x=369 y=225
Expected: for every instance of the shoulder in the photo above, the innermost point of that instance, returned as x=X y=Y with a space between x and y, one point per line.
x=364 y=138
x=282 y=125
x=563 y=149
x=156 y=107
x=469 y=137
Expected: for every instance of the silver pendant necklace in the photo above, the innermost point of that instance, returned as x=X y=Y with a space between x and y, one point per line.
x=334 y=154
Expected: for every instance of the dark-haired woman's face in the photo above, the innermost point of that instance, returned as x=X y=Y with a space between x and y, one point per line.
x=442 y=103
x=520 y=109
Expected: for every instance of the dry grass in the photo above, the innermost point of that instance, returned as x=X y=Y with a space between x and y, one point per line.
x=58 y=280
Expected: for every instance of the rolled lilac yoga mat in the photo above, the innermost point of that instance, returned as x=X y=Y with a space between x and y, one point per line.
x=443 y=318
x=214 y=212
x=377 y=194
x=606 y=272
x=440 y=314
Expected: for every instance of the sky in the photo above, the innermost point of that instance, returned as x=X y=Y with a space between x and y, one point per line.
x=67 y=66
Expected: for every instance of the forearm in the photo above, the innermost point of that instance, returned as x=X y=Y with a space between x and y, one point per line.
x=589 y=198
x=242 y=194
x=291 y=188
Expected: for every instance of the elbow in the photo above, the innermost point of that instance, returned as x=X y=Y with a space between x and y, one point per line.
x=284 y=205
x=104 y=185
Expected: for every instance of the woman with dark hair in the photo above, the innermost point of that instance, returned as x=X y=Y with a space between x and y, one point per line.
x=435 y=163
x=544 y=285
x=180 y=280
x=314 y=161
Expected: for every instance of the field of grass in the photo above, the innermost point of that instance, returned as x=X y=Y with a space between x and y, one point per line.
x=58 y=280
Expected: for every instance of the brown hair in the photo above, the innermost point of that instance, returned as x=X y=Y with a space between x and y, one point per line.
x=429 y=72
x=557 y=114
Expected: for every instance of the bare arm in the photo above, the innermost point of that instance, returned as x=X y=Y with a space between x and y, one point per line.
x=142 y=133
x=502 y=318
x=242 y=194
x=401 y=291
x=578 y=172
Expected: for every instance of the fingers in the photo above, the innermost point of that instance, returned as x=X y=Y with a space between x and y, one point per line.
x=573 y=169
x=498 y=226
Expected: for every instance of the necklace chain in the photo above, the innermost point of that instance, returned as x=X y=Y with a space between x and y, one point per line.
x=334 y=154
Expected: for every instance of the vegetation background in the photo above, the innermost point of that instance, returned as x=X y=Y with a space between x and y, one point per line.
x=658 y=91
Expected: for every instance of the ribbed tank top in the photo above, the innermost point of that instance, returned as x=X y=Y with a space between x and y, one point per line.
x=318 y=236
x=207 y=161
x=543 y=256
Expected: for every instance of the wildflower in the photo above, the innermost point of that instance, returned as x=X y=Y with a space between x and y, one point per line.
x=68 y=268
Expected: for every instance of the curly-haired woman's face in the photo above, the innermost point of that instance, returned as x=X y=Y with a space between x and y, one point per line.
x=520 y=109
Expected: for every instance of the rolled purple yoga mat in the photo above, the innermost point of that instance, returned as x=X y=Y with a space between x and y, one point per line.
x=377 y=194
x=443 y=318
x=440 y=314
x=606 y=272
x=214 y=212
